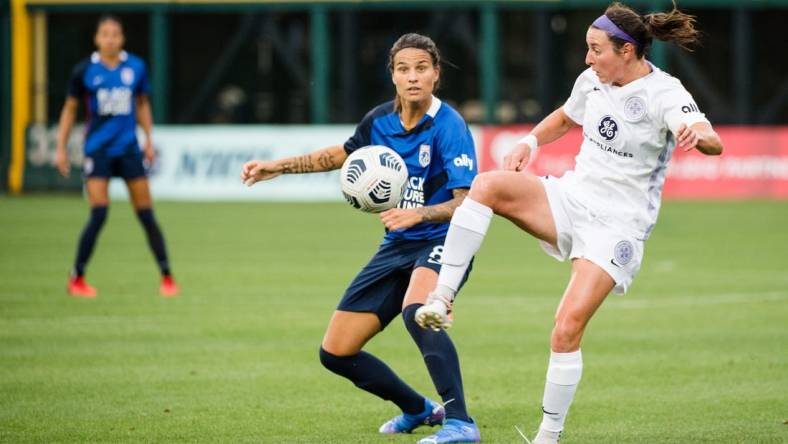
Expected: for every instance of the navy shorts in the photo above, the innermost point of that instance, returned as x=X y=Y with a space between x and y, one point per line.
x=127 y=166
x=380 y=286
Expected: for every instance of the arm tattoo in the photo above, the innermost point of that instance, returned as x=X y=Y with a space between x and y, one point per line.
x=443 y=212
x=326 y=161
x=301 y=164
x=305 y=163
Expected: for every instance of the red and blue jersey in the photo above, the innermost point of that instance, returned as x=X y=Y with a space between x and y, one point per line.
x=110 y=99
x=438 y=151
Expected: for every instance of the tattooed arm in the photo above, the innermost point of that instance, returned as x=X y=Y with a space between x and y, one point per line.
x=399 y=218
x=326 y=159
x=443 y=212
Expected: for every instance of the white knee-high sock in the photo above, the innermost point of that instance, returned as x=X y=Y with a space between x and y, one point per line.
x=466 y=233
x=563 y=375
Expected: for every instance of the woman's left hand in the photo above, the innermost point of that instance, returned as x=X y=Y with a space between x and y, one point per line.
x=687 y=137
x=400 y=218
x=149 y=153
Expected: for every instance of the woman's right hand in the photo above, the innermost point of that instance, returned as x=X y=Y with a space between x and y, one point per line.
x=62 y=163
x=258 y=170
x=518 y=158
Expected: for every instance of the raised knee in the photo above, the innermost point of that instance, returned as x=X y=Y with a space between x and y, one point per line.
x=489 y=189
x=483 y=189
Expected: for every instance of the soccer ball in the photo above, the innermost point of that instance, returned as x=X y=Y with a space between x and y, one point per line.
x=374 y=178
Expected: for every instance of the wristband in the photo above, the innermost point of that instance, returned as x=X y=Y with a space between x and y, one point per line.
x=531 y=141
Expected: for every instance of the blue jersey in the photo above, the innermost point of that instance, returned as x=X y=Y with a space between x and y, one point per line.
x=111 y=108
x=438 y=151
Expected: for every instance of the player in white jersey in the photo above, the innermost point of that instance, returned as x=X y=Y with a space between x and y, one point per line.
x=599 y=215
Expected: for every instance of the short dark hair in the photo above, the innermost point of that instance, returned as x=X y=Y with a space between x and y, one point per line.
x=417 y=41
x=109 y=18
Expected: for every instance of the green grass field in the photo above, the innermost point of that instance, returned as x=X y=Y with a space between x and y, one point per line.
x=696 y=352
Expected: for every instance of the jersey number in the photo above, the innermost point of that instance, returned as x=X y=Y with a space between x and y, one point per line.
x=435 y=256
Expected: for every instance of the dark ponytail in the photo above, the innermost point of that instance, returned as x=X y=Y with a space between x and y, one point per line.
x=674 y=26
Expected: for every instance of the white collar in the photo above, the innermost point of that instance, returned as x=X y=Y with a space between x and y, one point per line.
x=95 y=57
x=434 y=107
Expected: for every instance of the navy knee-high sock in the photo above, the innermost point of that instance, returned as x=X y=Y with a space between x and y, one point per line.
x=442 y=362
x=155 y=239
x=374 y=376
x=87 y=239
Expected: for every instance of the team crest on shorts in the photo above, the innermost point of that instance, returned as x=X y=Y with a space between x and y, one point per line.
x=608 y=128
x=634 y=109
x=424 y=155
x=127 y=76
x=623 y=251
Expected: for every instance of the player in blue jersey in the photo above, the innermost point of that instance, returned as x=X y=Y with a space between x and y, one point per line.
x=114 y=85
x=438 y=149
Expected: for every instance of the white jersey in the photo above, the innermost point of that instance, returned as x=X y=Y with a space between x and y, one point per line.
x=628 y=139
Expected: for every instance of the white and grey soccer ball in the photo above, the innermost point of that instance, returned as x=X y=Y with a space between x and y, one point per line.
x=374 y=178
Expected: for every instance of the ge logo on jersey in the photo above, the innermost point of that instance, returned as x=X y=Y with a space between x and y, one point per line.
x=608 y=128
x=634 y=108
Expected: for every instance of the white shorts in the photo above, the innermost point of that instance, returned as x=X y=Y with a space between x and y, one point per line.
x=580 y=233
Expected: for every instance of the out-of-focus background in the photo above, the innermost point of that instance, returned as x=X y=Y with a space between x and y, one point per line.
x=264 y=64
x=695 y=352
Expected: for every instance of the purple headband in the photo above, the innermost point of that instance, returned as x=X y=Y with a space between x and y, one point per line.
x=605 y=24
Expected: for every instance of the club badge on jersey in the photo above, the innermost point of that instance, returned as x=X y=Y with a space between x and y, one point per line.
x=127 y=76
x=424 y=155
x=635 y=109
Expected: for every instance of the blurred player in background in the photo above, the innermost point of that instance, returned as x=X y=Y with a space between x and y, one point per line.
x=437 y=147
x=599 y=215
x=114 y=85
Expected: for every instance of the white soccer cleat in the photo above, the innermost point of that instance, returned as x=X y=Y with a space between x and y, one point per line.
x=546 y=437
x=436 y=313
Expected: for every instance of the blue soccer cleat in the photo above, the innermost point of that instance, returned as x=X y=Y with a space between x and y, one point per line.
x=433 y=414
x=454 y=430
